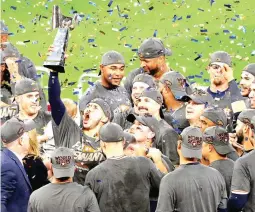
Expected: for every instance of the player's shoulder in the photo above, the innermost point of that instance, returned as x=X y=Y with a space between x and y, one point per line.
x=246 y=159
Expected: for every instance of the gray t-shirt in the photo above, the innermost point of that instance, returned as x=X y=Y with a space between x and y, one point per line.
x=41 y=120
x=166 y=141
x=244 y=177
x=7 y=112
x=86 y=150
x=120 y=118
x=177 y=118
x=192 y=188
x=225 y=167
x=115 y=97
x=123 y=184
x=65 y=197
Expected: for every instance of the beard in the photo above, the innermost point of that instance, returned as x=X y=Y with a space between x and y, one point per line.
x=240 y=138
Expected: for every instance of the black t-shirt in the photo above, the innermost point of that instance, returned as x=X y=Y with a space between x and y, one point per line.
x=124 y=183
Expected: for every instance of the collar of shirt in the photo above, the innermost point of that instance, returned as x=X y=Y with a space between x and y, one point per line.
x=219 y=94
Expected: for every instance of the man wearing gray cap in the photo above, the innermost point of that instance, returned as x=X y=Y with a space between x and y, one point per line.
x=156 y=134
x=223 y=87
x=15 y=185
x=174 y=89
x=62 y=194
x=152 y=54
x=216 y=146
x=247 y=77
x=27 y=96
x=198 y=101
x=83 y=139
x=216 y=117
x=140 y=83
x=18 y=65
x=112 y=70
x=121 y=183
x=242 y=186
x=192 y=186
x=244 y=132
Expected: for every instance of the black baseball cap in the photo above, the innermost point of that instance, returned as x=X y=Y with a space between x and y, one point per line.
x=153 y=48
x=111 y=132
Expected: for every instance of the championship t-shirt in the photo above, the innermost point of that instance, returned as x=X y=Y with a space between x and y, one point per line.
x=225 y=167
x=124 y=183
x=7 y=112
x=86 y=150
x=243 y=178
x=192 y=187
x=115 y=97
x=64 y=197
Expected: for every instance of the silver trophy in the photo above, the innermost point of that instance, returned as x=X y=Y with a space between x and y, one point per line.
x=56 y=60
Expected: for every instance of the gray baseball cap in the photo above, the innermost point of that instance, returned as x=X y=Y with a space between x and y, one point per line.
x=146 y=120
x=8 y=51
x=14 y=128
x=153 y=94
x=145 y=78
x=112 y=57
x=152 y=48
x=25 y=86
x=219 y=138
x=111 y=132
x=4 y=28
x=246 y=115
x=103 y=104
x=216 y=115
x=222 y=57
x=129 y=138
x=176 y=82
x=63 y=163
x=200 y=97
x=250 y=68
x=191 y=145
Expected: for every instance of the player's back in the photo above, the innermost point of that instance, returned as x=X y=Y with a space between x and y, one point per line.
x=192 y=188
x=123 y=184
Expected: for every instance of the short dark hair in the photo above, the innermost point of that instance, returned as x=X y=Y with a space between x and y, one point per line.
x=63 y=179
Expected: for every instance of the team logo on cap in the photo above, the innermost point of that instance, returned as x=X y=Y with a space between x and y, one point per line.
x=194 y=140
x=63 y=160
x=182 y=82
x=21 y=131
x=168 y=83
x=218 y=59
x=223 y=137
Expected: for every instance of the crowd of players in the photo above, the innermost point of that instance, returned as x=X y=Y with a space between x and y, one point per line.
x=157 y=143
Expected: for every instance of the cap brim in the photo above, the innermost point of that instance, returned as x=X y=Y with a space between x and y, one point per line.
x=161 y=113
x=29 y=125
x=191 y=153
x=168 y=52
x=132 y=117
x=99 y=73
x=179 y=95
x=194 y=99
x=223 y=150
x=68 y=172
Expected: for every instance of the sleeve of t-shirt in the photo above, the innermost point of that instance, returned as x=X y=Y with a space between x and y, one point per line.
x=155 y=175
x=169 y=145
x=241 y=178
x=166 y=199
x=67 y=133
x=30 y=204
x=90 y=201
x=224 y=197
x=90 y=182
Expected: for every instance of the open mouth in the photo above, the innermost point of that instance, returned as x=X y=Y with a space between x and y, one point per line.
x=86 y=118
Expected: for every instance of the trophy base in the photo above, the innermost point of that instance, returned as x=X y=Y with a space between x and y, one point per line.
x=55 y=66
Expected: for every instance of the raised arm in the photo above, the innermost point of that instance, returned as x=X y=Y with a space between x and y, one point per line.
x=57 y=106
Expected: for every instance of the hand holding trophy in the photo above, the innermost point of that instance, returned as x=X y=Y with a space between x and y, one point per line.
x=56 y=60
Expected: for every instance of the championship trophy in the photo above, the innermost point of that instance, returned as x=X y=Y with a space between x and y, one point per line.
x=56 y=60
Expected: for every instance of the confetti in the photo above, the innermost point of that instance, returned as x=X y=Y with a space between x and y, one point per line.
x=194 y=40
x=128 y=45
x=151 y=8
x=102 y=32
x=198 y=57
x=76 y=68
x=26 y=41
x=91 y=83
x=155 y=33
x=123 y=28
x=188 y=16
x=71 y=83
x=232 y=36
x=13 y=8
x=201 y=9
x=91 y=40
x=110 y=3
x=92 y=3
